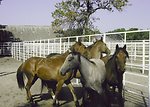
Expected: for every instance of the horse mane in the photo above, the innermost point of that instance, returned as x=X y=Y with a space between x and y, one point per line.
x=89 y=47
x=79 y=54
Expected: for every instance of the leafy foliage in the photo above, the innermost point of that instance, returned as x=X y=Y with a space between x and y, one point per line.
x=133 y=36
x=0 y=1
x=73 y=14
x=78 y=32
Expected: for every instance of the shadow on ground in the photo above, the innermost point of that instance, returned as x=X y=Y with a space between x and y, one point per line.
x=66 y=100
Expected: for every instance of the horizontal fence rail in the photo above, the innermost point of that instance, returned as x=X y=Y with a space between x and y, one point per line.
x=137 y=65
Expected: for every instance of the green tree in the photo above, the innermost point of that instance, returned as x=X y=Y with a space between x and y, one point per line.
x=71 y=14
x=78 y=32
x=137 y=35
x=0 y=1
x=131 y=36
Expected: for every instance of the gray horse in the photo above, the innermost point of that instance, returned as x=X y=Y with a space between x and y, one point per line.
x=93 y=71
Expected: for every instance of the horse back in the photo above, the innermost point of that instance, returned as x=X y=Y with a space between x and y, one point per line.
x=48 y=68
x=29 y=66
x=100 y=67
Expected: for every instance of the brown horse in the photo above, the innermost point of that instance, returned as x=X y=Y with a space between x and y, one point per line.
x=95 y=50
x=45 y=69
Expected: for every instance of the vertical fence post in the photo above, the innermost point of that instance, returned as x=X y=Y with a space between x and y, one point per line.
x=19 y=51
x=48 y=42
x=68 y=42
x=33 y=49
x=23 y=51
x=15 y=50
x=44 y=42
x=149 y=69
x=89 y=39
x=104 y=37
x=40 y=48
x=143 y=63
x=125 y=37
x=124 y=75
x=77 y=38
x=60 y=41
x=53 y=46
x=135 y=51
x=12 y=50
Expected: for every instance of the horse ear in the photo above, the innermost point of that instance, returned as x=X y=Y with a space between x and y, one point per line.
x=117 y=46
x=94 y=40
x=79 y=42
x=124 y=47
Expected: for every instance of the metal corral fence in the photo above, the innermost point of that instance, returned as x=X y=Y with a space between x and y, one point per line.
x=136 y=77
x=5 y=48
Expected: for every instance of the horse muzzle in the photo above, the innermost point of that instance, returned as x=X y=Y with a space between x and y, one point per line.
x=122 y=70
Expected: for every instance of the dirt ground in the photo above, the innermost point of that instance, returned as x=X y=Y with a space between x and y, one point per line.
x=12 y=96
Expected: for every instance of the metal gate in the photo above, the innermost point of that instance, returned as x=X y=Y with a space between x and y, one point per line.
x=5 y=48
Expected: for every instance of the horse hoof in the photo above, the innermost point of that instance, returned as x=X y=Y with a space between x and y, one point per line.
x=31 y=100
x=55 y=104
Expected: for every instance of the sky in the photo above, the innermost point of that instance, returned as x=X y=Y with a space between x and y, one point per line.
x=38 y=12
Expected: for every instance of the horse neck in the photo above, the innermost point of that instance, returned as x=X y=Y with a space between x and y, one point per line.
x=83 y=67
x=94 y=52
x=112 y=65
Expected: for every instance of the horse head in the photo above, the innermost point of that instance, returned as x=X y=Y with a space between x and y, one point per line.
x=102 y=46
x=78 y=47
x=121 y=56
x=71 y=63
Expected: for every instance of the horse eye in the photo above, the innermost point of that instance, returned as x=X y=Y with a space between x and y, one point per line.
x=70 y=58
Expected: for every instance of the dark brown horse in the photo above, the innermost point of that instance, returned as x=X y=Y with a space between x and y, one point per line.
x=46 y=69
x=115 y=67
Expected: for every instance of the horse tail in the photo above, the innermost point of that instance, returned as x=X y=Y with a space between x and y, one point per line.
x=20 y=77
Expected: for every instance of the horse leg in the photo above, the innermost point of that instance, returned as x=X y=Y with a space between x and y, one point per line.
x=85 y=99
x=120 y=87
x=27 y=87
x=58 y=88
x=50 y=91
x=73 y=94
